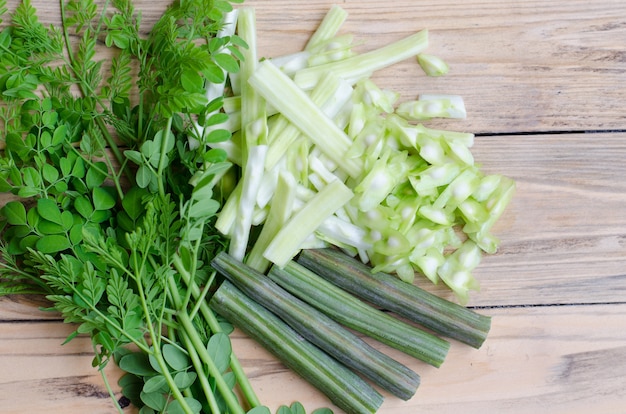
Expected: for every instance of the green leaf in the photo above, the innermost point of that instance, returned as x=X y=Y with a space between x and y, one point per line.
x=215 y=155
x=15 y=212
x=125 y=223
x=215 y=105
x=50 y=173
x=119 y=38
x=53 y=243
x=154 y=400
x=216 y=43
x=104 y=338
x=46 y=104
x=33 y=218
x=218 y=135
x=76 y=233
x=158 y=142
x=297 y=408
x=27 y=192
x=227 y=62
x=49 y=210
x=79 y=168
x=134 y=156
x=322 y=411
x=66 y=166
x=96 y=175
x=204 y=208
x=28 y=242
x=137 y=363
x=59 y=135
x=131 y=387
x=216 y=119
x=149 y=149
x=83 y=206
x=67 y=220
x=220 y=350
x=45 y=139
x=18 y=231
x=85 y=327
x=144 y=176
x=185 y=379
x=5 y=186
x=61 y=187
x=176 y=408
x=191 y=80
x=175 y=357
x=259 y=410
x=15 y=143
x=102 y=199
x=283 y=409
x=31 y=177
x=100 y=216
x=213 y=73
x=155 y=364
x=133 y=202
x=156 y=383
x=49 y=119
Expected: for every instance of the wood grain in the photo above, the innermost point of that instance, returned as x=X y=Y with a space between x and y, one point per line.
x=537 y=77
x=528 y=66
x=535 y=360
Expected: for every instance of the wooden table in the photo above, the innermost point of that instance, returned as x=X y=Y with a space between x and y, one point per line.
x=544 y=83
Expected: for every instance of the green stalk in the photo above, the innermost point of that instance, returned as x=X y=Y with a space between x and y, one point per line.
x=163 y=157
x=296 y=105
x=328 y=28
x=319 y=329
x=157 y=348
x=200 y=348
x=209 y=317
x=353 y=313
x=287 y=241
x=197 y=363
x=389 y=292
x=360 y=66
x=343 y=387
x=105 y=380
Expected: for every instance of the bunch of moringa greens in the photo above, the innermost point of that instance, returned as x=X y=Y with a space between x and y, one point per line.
x=161 y=186
x=119 y=241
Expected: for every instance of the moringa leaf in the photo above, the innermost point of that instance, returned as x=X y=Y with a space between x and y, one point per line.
x=175 y=357
x=49 y=210
x=219 y=348
x=15 y=213
x=53 y=243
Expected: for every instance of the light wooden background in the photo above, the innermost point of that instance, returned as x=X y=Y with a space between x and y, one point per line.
x=544 y=83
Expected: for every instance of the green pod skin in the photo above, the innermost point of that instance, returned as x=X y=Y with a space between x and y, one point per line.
x=351 y=312
x=388 y=292
x=342 y=386
x=320 y=330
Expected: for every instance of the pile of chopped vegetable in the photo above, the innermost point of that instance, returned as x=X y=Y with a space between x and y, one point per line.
x=332 y=159
x=190 y=185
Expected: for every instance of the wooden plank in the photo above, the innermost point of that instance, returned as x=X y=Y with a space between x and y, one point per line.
x=40 y=374
x=560 y=359
x=518 y=65
x=521 y=66
x=564 y=235
x=25 y=308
